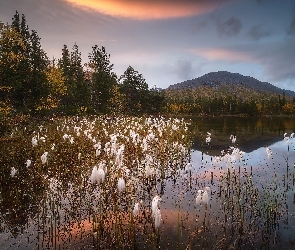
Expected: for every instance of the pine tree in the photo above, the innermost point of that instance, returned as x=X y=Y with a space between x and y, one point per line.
x=11 y=43
x=16 y=22
x=64 y=64
x=23 y=65
x=135 y=88
x=38 y=88
x=77 y=98
x=81 y=92
x=103 y=80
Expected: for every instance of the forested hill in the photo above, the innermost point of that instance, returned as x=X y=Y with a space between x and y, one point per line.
x=221 y=78
x=225 y=93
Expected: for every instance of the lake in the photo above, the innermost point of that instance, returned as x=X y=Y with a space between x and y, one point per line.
x=219 y=193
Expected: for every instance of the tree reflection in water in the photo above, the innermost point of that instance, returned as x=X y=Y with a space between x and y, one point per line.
x=246 y=200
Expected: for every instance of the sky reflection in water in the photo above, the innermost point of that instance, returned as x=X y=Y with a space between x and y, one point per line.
x=186 y=222
x=179 y=205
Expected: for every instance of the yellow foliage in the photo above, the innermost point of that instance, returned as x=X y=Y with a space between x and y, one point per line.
x=117 y=101
x=9 y=37
x=259 y=107
x=47 y=104
x=56 y=81
x=289 y=108
x=5 y=108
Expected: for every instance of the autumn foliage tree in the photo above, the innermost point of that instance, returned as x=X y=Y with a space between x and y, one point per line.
x=32 y=84
x=23 y=65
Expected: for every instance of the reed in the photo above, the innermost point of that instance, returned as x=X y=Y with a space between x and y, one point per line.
x=83 y=191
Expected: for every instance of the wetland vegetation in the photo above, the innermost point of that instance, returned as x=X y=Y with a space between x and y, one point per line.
x=88 y=162
x=139 y=183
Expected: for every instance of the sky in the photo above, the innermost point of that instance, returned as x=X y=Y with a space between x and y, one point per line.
x=170 y=41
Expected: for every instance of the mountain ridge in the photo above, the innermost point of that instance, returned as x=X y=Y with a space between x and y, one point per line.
x=221 y=78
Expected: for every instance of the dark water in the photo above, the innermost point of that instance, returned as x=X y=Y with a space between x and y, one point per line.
x=38 y=214
x=251 y=132
x=273 y=177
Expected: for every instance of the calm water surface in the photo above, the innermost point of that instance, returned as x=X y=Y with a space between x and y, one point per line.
x=224 y=223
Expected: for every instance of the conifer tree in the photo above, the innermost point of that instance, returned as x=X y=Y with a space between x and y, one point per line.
x=16 y=22
x=64 y=64
x=81 y=92
x=23 y=65
x=38 y=88
x=78 y=94
x=11 y=43
x=135 y=89
x=103 y=80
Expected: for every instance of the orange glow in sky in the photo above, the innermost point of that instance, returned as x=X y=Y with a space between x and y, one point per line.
x=148 y=9
x=223 y=54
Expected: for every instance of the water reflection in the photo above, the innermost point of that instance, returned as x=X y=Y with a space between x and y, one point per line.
x=62 y=209
x=251 y=132
x=275 y=175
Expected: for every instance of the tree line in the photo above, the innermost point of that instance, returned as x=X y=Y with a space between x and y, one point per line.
x=31 y=83
x=227 y=100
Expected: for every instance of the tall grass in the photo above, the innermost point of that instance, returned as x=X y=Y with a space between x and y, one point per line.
x=82 y=192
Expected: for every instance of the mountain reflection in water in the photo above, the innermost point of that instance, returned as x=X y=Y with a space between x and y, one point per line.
x=251 y=132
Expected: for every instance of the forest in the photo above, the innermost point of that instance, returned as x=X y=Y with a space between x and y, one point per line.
x=32 y=84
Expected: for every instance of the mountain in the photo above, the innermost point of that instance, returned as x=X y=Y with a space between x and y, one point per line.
x=222 y=78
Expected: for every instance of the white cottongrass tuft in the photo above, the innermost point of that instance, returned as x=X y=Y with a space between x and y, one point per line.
x=155 y=203
x=97 y=175
x=268 y=152
x=156 y=213
x=13 y=172
x=158 y=218
x=206 y=195
x=188 y=167
x=34 y=141
x=208 y=138
x=42 y=139
x=136 y=208
x=203 y=196
x=28 y=163
x=149 y=171
x=44 y=157
x=199 y=197
x=121 y=185
x=233 y=138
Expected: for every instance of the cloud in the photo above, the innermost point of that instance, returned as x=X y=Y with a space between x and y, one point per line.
x=58 y=23
x=279 y=65
x=230 y=55
x=183 y=69
x=149 y=9
x=256 y=33
x=275 y=59
x=196 y=27
x=230 y=27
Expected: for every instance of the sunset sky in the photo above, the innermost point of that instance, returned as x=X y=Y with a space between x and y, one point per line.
x=170 y=41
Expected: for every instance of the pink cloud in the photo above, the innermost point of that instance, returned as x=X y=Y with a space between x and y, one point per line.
x=224 y=54
x=149 y=9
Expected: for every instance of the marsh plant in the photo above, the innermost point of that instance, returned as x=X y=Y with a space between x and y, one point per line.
x=93 y=170
x=131 y=183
